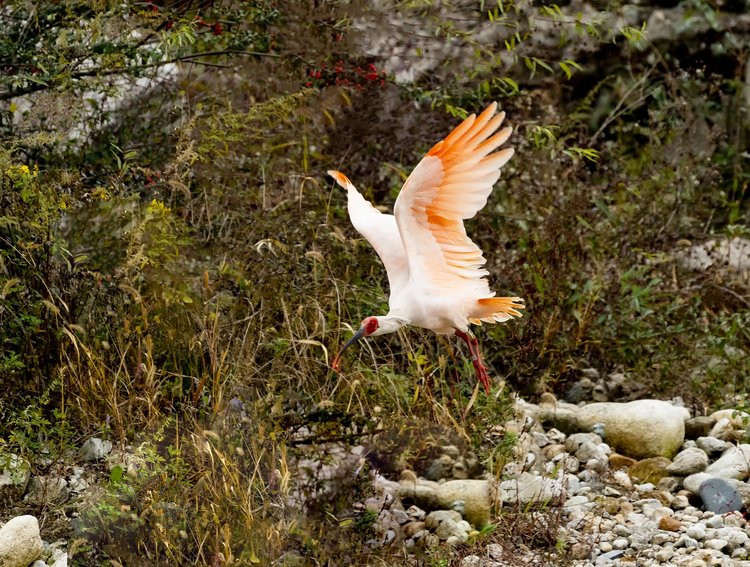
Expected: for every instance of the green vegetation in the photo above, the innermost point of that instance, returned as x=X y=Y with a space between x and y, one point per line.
x=176 y=269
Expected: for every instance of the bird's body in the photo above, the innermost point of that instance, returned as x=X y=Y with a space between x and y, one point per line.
x=434 y=270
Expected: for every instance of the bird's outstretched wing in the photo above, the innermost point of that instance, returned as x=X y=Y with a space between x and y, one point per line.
x=380 y=230
x=452 y=183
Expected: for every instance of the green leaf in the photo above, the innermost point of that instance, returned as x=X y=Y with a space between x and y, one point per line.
x=565 y=69
x=115 y=475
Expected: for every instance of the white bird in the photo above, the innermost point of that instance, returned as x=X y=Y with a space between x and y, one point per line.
x=434 y=270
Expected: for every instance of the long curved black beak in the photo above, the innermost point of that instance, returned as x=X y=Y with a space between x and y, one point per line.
x=358 y=335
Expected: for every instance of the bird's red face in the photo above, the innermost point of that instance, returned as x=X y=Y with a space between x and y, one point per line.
x=369 y=326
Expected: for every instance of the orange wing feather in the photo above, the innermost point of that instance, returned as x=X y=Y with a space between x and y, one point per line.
x=450 y=184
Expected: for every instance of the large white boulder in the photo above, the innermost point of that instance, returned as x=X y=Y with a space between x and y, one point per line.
x=641 y=429
x=20 y=544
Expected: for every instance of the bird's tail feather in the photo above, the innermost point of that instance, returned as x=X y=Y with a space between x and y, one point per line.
x=496 y=309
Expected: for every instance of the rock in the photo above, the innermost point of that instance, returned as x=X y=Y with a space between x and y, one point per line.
x=20 y=543
x=530 y=488
x=400 y=516
x=733 y=463
x=599 y=393
x=697 y=531
x=727 y=254
x=472 y=463
x=413 y=527
x=130 y=462
x=669 y=484
x=598 y=428
x=548 y=398
x=449 y=528
x=643 y=428
x=609 y=557
x=738 y=418
x=680 y=502
x=574 y=441
x=551 y=451
x=47 y=490
x=687 y=542
x=422 y=495
x=715 y=522
x=622 y=478
x=407 y=477
x=617 y=461
x=563 y=419
x=664 y=555
x=580 y=551
x=688 y=462
x=459 y=470
x=95 y=449
x=712 y=445
x=540 y=439
x=475 y=494
x=622 y=387
x=735 y=537
x=649 y=470
x=471 y=561
x=597 y=451
x=430 y=541
x=15 y=473
x=450 y=450
x=495 y=551
x=580 y=391
x=717 y=544
x=62 y=560
x=556 y=436
x=670 y=524
x=620 y=543
x=719 y=496
x=440 y=468
x=743 y=489
x=434 y=519
x=724 y=430
x=694 y=481
x=698 y=426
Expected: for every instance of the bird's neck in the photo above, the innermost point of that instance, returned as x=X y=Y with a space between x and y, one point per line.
x=389 y=324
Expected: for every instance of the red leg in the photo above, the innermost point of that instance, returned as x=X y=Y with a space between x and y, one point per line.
x=476 y=358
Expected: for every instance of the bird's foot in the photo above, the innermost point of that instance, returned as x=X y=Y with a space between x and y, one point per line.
x=482 y=375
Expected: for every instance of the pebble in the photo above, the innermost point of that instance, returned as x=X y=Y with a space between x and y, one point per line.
x=696 y=531
x=620 y=543
x=717 y=544
x=670 y=524
x=712 y=445
x=689 y=461
x=95 y=449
